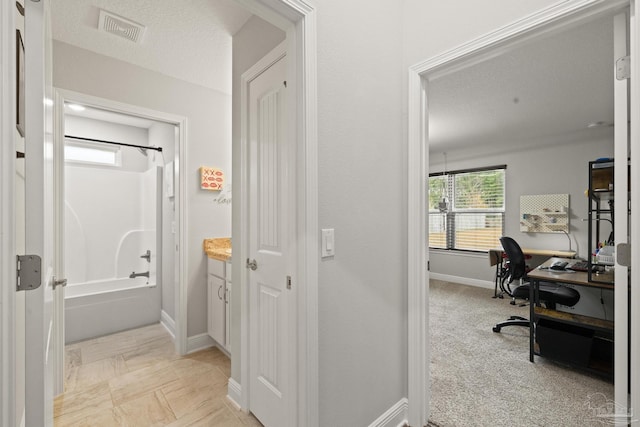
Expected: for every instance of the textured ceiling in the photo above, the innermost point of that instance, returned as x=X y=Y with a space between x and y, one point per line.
x=186 y=39
x=542 y=91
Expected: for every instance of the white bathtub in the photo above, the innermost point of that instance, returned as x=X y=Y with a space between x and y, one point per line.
x=104 y=307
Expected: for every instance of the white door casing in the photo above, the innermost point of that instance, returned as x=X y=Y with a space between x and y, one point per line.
x=298 y=19
x=180 y=122
x=271 y=244
x=39 y=345
x=634 y=226
x=621 y=150
x=545 y=20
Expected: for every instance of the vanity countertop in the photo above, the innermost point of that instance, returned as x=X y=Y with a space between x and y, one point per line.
x=219 y=248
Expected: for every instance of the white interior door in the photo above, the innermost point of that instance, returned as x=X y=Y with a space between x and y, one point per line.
x=39 y=342
x=271 y=227
x=621 y=153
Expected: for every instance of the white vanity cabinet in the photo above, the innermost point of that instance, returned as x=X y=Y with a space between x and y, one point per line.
x=218 y=301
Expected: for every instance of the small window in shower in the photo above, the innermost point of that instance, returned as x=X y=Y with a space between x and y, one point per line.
x=92 y=154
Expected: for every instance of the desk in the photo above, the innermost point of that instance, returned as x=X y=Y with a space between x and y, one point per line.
x=586 y=330
x=495 y=258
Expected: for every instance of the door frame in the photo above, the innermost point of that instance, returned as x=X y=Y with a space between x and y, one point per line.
x=297 y=19
x=7 y=217
x=545 y=20
x=180 y=261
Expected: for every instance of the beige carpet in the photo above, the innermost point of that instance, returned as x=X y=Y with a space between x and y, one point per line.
x=482 y=378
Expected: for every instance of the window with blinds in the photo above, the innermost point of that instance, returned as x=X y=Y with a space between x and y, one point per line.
x=466 y=209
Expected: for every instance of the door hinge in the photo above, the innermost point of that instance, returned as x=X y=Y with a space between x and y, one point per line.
x=623 y=254
x=28 y=268
x=428 y=265
x=288 y=282
x=623 y=68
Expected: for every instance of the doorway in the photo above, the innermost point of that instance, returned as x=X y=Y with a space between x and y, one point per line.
x=113 y=245
x=102 y=142
x=422 y=77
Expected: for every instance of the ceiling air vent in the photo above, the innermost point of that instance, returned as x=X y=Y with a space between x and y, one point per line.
x=120 y=26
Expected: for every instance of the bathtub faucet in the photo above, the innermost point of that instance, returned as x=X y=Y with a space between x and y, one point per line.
x=147 y=255
x=133 y=275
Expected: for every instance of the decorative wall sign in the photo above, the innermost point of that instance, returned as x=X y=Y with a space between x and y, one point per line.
x=211 y=178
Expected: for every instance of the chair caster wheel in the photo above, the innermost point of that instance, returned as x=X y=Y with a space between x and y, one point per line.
x=512 y=303
x=496 y=329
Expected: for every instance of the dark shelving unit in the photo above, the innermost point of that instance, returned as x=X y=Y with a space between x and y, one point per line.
x=600 y=210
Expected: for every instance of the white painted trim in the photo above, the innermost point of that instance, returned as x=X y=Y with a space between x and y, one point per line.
x=621 y=147
x=58 y=242
x=545 y=20
x=298 y=19
x=396 y=416
x=199 y=342
x=182 y=219
x=305 y=58
x=635 y=219
x=234 y=392
x=8 y=414
x=168 y=323
x=63 y=95
x=418 y=255
x=463 y=280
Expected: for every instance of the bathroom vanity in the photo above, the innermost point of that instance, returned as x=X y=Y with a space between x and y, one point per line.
x=219 y=290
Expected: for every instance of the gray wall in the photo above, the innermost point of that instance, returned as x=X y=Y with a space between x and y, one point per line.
x=208 y=115
x=253 y=41
x=362 y=163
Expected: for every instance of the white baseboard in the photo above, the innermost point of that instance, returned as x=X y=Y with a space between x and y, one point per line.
x=462 y=280
x=199 y=342
x=168 y=323
x=233 y=392
x=396 y=416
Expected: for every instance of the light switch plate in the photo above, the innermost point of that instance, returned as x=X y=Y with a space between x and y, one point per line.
x=328 y=242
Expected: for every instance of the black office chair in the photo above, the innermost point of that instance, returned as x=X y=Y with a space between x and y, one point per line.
x=515 y=269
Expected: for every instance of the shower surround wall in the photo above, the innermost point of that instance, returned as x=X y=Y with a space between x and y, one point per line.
x=112 y=217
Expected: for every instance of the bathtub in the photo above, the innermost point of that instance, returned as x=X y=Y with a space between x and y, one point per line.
x=104 y=307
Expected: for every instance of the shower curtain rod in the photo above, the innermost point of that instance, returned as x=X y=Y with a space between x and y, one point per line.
x=144 y=147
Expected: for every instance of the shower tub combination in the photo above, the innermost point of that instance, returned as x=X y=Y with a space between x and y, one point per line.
x=106 y=293
x=103 y=307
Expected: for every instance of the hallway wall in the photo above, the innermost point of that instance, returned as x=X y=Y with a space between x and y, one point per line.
x=362 y=290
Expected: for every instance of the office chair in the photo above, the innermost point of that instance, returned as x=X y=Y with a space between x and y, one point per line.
x=516 y=269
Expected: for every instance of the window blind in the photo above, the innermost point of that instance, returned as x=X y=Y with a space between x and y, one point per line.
x=466 y=209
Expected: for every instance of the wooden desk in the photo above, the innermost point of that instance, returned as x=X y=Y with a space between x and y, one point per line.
x=598 y=328
x=495 y=255
x=495 y=258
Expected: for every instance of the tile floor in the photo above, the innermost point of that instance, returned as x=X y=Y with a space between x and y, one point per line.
x=135 y=378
